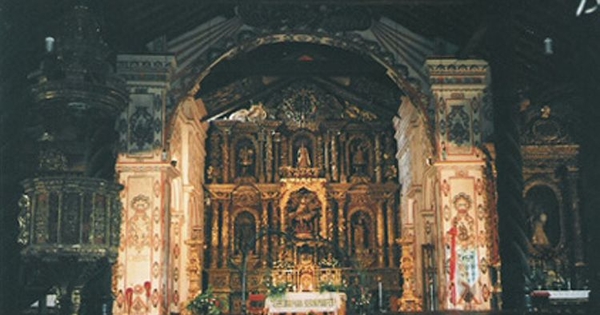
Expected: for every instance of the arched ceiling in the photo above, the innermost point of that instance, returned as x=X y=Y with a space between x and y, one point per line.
x=260 y=74
x=129 y=25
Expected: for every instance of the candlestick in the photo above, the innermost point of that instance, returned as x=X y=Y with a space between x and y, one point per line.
x=380 y=295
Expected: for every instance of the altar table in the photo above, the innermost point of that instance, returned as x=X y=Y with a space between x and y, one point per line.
x=562 y=295
x=305 y=302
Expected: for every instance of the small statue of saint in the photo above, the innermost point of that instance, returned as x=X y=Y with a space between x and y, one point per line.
x=539 y=237
x=358 y=159
x=246 y=158
x=303 y=157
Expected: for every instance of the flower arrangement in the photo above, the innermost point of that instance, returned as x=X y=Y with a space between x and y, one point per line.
x=330 y=287
x=278 y=290
x=361 y=302
x=205 y=304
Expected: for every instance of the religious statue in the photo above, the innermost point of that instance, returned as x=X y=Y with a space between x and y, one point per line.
x=539 y=237
x=246 y=157
x=360 y=234
x=358 y=159
x=302 y=219
x=303 y=157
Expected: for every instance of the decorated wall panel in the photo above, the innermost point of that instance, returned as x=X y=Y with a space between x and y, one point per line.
x=465 y=240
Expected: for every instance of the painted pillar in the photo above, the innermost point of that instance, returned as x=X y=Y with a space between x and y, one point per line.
x=460 y=92
x=141 y=278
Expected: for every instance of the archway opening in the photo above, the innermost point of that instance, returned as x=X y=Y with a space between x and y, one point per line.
x=251 y=75
x=313 y=122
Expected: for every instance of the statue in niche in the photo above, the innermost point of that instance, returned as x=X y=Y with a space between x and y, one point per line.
x=246 y=160
x=245 y=232
x=539 y=237
x=303 y=157
x=360 y=233
x=303 y=211
x=359 y=160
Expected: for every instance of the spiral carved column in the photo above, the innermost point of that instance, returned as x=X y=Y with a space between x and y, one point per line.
x=513 y=238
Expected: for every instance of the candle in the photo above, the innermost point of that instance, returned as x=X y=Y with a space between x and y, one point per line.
x=380 y=296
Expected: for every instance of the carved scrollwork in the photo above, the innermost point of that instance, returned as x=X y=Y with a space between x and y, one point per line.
x=24 y=219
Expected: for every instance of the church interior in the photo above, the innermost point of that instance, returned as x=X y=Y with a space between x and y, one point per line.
x=299 y=157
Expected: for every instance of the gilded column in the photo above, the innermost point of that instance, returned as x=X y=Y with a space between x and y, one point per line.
x=283 y=150
x=343 y=170
x=319 y=154
x=391 y=231
x=269 y=158
x=378 y=154
x=259 y=157
x=276 y=155
x=214 y=244
x=380 y=233
x=330 y=230
x=275 y=217
x=409 y=302
x=341 y=203
x=226 y=241
x=264 y=224
x=326 y=155
x=227 y=168
x=334 y=158
x=194 y=266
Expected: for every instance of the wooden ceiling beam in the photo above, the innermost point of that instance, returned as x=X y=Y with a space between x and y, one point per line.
x=340 y=2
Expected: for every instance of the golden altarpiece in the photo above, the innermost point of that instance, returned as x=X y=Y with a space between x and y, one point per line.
x=320 y=172
x=406 y=206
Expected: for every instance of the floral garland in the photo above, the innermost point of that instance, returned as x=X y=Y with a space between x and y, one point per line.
x=205 y=304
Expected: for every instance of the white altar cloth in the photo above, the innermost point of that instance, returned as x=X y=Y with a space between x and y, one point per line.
x=563 y=295
x=304 y=302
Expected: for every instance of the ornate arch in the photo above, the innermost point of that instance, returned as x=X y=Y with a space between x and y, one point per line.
x=250 y=40
x=547 y=182
x=190 y=77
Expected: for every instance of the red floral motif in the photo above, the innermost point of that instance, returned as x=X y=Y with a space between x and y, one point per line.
x=155 y=298
x=148 y=288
